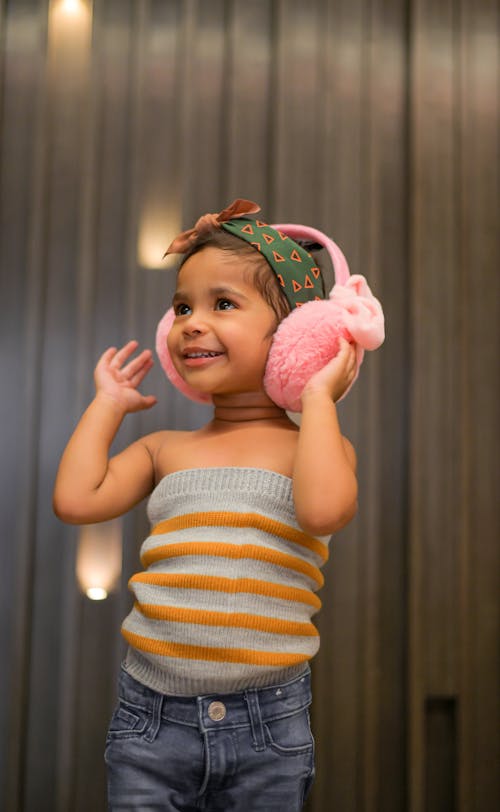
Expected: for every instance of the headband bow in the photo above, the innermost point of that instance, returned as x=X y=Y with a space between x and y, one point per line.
x=294 y=267
x=210 y=222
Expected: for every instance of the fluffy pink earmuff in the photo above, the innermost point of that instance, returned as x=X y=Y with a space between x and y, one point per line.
x=308 y=338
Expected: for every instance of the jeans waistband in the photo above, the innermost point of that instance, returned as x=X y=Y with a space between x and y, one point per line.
x=252 y=706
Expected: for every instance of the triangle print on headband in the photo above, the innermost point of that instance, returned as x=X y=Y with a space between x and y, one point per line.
x=295 y=269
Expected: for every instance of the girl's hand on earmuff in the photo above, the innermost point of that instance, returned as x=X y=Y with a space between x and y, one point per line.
x=117 y=377
x=336 y=377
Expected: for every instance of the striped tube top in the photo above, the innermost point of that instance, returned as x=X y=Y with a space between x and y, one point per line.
x=229 y=585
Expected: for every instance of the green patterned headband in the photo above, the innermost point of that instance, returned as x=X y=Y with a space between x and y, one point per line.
x=295 y=269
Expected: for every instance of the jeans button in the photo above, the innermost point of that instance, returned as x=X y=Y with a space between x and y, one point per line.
x=217 y=711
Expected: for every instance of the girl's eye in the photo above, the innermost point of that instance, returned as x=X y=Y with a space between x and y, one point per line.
x=182 y=310
x=225 y=304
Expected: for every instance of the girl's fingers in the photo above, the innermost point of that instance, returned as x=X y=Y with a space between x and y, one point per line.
x=139 y=376
x=122 y=382
x=346 y=355
x=116 y=359
x=107 y=355
x=349 y=352
x=346 y=346
x=136 y=364
x=123 y=353
x=149 y=401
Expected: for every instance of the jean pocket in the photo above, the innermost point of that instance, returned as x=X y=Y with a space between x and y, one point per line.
x=290 y=735
x=128 y=721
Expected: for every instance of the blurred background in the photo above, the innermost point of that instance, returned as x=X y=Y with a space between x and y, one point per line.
x=121 y=121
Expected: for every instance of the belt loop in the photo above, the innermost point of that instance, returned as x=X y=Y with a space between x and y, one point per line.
x=154 y=727
x=258 y=736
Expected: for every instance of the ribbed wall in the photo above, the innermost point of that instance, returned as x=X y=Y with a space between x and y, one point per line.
x=376 y=121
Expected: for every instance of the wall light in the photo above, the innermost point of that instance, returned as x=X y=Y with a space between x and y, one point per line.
x=71 y=6
x=69 y=9
x=70 y=33
x=157 y=228
x=99 y=558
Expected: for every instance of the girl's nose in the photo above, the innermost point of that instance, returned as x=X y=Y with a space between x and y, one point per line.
x=194 y=326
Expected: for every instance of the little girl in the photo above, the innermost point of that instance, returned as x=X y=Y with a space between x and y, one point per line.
x=215 y=687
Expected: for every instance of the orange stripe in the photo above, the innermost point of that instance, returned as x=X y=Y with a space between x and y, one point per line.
x=230 y=519
x=239 y=620
x=165 y=648
x=235 y=551
x=232 y=585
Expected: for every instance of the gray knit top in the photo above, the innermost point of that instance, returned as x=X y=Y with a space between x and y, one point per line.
x=228 y=589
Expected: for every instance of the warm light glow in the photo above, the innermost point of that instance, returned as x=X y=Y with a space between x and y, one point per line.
x=99 y=558
x=158 y=227
x=71 y=6
x=70 y=23
x=96 y=593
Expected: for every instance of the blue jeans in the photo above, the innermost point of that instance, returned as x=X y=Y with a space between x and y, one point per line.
x=251 y=751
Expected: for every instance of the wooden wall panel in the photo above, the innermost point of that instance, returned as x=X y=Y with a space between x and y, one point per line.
x=66 y=89
x=246 y=162
x=479 y=657
x=454 y=249
x=201 y=108
x=22 y=298
x=435 y=475
x=296 y=110
x=378 y=122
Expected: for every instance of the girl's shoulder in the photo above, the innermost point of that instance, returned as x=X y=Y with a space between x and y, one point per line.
x=160 y=440
x=164 y=448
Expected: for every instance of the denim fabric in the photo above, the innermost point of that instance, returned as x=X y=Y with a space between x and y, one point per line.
x=250 y=751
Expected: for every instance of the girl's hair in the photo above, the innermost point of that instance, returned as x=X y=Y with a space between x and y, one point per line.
x=262 y=275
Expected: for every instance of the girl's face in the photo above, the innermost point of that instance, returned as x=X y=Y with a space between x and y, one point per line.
x=223 y=329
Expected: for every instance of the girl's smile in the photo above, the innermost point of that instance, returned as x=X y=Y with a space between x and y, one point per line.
x=197 y=356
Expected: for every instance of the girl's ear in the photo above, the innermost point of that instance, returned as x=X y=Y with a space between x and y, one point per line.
x=308 y=339
x=162 y=332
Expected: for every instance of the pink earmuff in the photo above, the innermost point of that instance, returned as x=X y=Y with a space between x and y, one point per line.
x=308 y=338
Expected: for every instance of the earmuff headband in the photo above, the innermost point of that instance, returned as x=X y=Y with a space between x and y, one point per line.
x=299 y=232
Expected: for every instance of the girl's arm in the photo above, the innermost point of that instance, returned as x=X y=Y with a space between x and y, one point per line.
x=324 y=477
x=89 y=486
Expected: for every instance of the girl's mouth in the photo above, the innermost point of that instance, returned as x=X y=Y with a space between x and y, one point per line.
x=200 y=358
x=203 y=354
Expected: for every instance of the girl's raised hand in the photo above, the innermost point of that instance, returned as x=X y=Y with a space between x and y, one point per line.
x=117 y=377
x=335 y=378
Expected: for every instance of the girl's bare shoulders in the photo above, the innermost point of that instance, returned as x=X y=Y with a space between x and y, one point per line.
x=246 y=447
